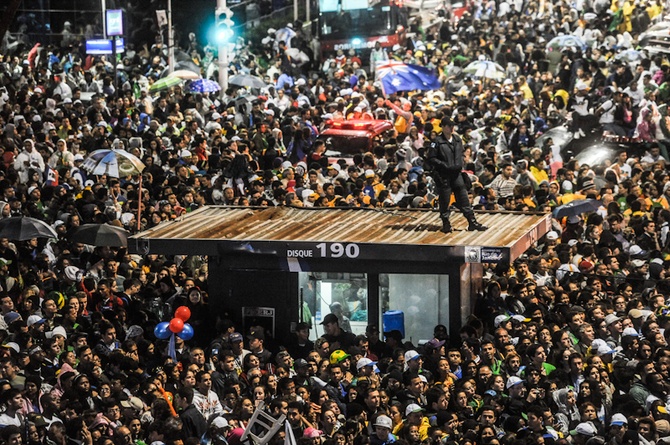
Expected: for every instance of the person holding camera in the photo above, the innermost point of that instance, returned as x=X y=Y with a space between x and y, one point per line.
x=445 y=158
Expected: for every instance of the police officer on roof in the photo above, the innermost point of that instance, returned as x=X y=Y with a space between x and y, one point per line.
x=445 y=158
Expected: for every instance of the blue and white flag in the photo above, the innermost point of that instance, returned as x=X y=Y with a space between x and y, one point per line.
x=399 y=76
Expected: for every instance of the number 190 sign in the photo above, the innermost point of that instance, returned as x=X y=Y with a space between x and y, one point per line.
x=326 y=250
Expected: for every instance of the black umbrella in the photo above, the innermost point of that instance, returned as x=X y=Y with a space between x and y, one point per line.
x=578 y=207
x=22 y=228
x=100 y=235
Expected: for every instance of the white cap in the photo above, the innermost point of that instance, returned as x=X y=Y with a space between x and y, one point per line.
x=216 y=116
x=369 y=173
x=58 y=330
x=552 y=235
x=618 y=419
x=413 y=408
x=513 y=381
x=34 y=319
x=363 y=362
x=220 y=422
x=600 y=347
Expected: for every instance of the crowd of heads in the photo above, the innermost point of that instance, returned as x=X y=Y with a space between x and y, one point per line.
x=566 y=345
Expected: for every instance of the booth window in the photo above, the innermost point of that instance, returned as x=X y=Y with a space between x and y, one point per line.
x=344 y=294
x=423 y=300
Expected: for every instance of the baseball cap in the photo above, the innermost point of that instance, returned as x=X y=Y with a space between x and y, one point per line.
x=434 y=343
x=235 y=337
x=300 y=363
x=330 y=318
x=600 y=347
x=585 y=428
x=256 y=335
x=500 y=319
x=630 y=332
x=384 y=421
x=413 y=408
x=411 y=355
x=338 y=356
x=311 y=433
x=363 y=362
x=35 y=319
x=220 y=422
x=618 y=419
x=552 y=235
x=513 y=381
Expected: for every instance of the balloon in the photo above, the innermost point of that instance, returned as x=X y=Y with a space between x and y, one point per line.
x=183 y=313
x=186 y=333
x=162 y=331
x=176 y=325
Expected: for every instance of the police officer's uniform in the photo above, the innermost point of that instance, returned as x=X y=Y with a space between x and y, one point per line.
x=445 y=157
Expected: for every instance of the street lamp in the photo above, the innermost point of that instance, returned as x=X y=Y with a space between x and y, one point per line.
x=223 y=34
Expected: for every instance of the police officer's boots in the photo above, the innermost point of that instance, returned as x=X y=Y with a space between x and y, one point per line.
x=474 y=225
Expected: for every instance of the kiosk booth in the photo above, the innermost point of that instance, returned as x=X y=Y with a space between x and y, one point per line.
x=276 y=266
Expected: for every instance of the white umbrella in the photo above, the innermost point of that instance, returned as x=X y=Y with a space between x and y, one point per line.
x=185 y=74
x=485 y=69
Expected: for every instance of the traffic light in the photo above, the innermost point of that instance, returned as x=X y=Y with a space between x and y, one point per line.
x=224 y=25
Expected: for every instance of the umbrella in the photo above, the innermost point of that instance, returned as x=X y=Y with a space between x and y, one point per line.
x=246 y=80
x=397 y=76
x=630 y=56
x=164 y=84
x=203 y=86
x=185 y=74
x=100 y=235
x=186 y=65
x=485 y=69
x=115 y=163
x=560 y=42
x=22 y=228
x=577 y=207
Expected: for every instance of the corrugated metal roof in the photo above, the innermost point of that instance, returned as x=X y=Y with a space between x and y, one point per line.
x=512 y=230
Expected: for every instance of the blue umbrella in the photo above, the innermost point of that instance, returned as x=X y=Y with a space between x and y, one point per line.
x=398 y=76
x=203 y=86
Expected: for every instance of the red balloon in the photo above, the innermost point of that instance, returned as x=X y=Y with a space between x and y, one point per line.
x=176 y=325
x=183 y=313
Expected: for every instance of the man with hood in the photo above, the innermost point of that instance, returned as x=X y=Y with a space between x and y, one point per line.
x=29 y=158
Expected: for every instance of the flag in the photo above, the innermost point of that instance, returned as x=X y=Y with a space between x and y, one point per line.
x=289 y=438
x=50 y=177
x=399 y=76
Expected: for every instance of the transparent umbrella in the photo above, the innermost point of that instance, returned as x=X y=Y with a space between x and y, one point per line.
x=117 y=164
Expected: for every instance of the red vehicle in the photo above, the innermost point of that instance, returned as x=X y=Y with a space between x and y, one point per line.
x=347 y=138
x=360 y=24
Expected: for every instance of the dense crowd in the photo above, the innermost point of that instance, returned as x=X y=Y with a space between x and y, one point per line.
x=567 y=345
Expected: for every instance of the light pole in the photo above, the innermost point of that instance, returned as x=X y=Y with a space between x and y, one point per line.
x=170 y=38
x=223 y=34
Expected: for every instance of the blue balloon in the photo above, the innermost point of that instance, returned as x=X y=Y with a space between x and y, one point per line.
x=186 y=333
x=162 y=330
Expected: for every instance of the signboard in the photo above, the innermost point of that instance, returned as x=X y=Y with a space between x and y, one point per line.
x=114 y=22
x=259 y=316
x=476 y=254
x=103 y=46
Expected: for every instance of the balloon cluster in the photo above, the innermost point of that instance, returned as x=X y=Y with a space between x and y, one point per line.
x=177 y=326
